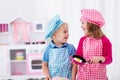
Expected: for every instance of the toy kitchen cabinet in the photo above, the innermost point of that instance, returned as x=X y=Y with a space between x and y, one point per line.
x=4 y=62
x=21 y=62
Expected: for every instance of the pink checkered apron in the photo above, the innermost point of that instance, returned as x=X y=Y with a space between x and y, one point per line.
x=92 y=47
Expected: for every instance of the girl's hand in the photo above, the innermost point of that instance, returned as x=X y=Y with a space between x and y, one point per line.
x=97 y=59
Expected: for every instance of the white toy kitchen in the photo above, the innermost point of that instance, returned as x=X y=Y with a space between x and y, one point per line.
x=22 y=44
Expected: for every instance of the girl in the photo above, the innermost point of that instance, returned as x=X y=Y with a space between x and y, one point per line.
x=56 y=58
x=94 y=47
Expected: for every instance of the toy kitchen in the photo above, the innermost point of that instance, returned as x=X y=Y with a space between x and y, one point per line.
x=22 y=44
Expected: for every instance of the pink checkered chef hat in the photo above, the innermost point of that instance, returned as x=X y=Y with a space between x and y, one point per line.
x=92 y=16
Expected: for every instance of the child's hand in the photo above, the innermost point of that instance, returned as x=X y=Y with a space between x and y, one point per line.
x=48 y=78
x=97 y=59
x=71 y=59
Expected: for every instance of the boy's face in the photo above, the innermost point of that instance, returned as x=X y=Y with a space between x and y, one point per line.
x=84 y=27
x=61 y=35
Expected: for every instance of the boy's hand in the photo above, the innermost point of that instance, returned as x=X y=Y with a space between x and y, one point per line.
x=48 y=78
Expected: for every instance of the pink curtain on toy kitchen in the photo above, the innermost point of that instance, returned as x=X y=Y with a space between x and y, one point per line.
x=3 y=27
x=21 y=30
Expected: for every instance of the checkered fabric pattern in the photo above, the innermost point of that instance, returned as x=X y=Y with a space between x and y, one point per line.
x=59 y=63
x=53 y=25
x=92 y=16
x=92 y=47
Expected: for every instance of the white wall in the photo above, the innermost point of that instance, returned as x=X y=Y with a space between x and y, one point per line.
x=45 y=9
x=12 y=9
x=30 y=9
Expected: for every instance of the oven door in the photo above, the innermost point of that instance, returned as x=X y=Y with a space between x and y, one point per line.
x=34 y=64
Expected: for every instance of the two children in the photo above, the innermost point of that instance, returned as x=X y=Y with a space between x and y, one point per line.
x=94 y=46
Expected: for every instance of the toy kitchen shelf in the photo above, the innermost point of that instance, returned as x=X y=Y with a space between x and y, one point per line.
x=18 y=61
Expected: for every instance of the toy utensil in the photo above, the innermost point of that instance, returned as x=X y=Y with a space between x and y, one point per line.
x=80 y=59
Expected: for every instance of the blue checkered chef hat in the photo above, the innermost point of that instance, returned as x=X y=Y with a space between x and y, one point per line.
x=53 y=25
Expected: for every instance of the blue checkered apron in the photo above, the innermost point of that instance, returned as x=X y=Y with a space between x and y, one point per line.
x=59 y=63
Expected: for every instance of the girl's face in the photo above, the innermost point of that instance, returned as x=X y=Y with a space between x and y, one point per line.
x=84 y=27
x=61 y=35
